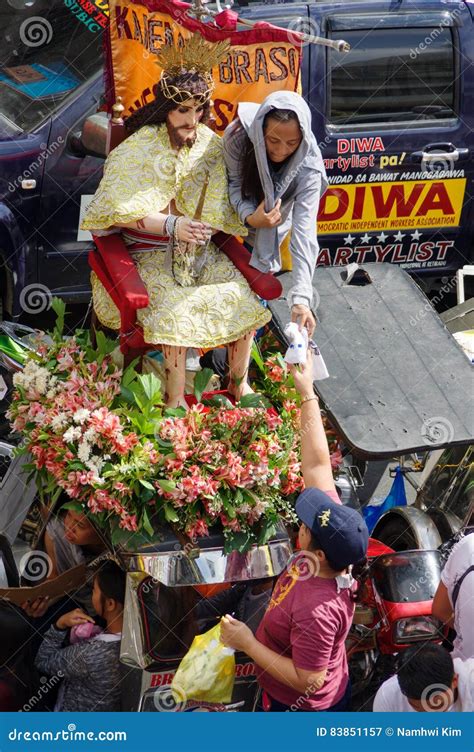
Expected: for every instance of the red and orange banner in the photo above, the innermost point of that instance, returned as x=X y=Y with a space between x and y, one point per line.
x=261 y=60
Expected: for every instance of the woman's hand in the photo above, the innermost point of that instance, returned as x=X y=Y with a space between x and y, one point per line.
x=191 y=231
x=261 y=218
x=302 y=315
x=235 y=634
x=303 y=378
x=37 y=608
x=72 y=618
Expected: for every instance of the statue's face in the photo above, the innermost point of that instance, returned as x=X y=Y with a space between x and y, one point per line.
x=182 y=123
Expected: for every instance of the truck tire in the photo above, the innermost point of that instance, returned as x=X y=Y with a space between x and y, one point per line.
x=397 y=533
x=406 y=528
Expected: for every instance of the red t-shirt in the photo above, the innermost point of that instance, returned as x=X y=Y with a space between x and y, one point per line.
x=308 y=620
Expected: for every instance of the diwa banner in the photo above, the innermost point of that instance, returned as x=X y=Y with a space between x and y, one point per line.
x=261 y=60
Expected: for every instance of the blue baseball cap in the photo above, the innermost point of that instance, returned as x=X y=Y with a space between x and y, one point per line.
x=340 y=531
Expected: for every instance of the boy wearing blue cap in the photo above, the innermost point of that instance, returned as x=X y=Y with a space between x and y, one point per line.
x=299 y=647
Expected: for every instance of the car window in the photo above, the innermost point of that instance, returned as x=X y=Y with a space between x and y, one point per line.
x=48 y=51
x=392 y=75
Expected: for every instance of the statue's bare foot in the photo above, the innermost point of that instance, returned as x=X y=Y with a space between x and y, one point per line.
x=179 y=401
x=240 y=391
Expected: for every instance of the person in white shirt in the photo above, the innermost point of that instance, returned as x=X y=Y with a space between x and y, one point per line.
x=453 y=603
x=428 y=680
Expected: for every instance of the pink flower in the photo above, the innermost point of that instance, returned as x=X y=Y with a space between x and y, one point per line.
x=105 y=422
x=198 y=529
x=273 y=419
x=129 y=522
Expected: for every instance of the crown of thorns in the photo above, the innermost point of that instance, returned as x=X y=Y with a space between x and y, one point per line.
x=194 y=56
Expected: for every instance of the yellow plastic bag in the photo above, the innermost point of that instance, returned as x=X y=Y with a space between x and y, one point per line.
x=207 y=671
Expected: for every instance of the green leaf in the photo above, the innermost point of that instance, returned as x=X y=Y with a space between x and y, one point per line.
x=167 y=485
x=75 y=465
x=267 y=531
x=174 y=412
x=281 y=362
x=130 y=373
x=104 y=345
x=256 y=356
x=59 y=307
x=163 y=443
x=146 y=495
x=120 y=536
x=240 y=542
x=127 y=394
x=254 y=400
x=201 y=380
x=147 y=484
x=147 y=526
x=170 y=513
x=218 y=400
x=151 y=387
x=73 y=506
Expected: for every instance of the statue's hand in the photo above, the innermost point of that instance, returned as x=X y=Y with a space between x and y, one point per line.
x=192 y=231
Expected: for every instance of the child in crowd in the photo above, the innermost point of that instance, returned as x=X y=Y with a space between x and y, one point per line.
x=90 y=667
x=428 y=680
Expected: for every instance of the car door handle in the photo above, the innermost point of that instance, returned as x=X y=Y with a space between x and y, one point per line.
x=433 y=153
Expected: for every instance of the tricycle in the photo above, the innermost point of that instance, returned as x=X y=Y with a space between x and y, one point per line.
x=172 y=585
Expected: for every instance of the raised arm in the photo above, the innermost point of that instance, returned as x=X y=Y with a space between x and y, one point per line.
x=315 y=459
x=304 y=249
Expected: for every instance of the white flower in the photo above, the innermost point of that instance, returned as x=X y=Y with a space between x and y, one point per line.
x=94 y=465
x=72 y=434
x=80 y=416
x=59 y=421
x=41 y=383
x=34 y=377
x=90 y=435
x=84 y=451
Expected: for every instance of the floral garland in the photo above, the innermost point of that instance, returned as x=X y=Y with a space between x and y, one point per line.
x=104 y=438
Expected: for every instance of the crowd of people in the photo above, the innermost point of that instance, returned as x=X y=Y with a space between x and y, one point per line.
x=264 y=176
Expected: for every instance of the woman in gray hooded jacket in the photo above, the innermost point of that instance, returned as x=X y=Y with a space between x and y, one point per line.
x=276 y=178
